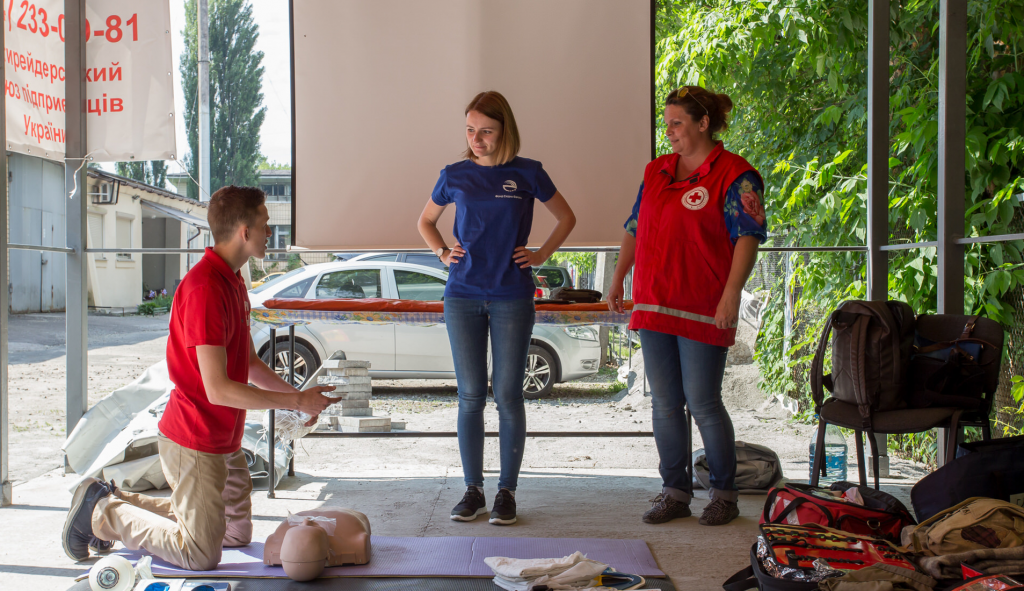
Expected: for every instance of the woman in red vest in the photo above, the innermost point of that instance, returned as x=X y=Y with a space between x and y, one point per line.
x=693 y=235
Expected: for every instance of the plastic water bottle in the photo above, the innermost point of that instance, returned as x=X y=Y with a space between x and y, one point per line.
x=835 y=455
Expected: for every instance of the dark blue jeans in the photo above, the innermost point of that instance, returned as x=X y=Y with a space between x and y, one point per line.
x=510 y=324
x=686 y=372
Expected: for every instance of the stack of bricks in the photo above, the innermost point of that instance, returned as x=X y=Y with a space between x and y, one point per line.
x=351 y=381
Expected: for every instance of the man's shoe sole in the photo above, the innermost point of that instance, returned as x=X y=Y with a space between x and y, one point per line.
x=500 y=521
x=472 y=517
x=76 y=506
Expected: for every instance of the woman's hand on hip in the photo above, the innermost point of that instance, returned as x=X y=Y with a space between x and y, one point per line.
x=525 y=257
x=453 y=255
x=728 y=312
x=615 y=298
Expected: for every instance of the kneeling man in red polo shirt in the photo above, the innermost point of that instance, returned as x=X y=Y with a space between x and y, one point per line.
x=211 y=361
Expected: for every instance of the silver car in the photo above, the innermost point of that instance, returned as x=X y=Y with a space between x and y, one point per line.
x=399 y=351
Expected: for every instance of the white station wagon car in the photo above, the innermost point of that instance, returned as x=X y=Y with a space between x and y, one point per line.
x=399 y=351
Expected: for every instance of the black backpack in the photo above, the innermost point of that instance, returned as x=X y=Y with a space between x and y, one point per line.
x=871 y=353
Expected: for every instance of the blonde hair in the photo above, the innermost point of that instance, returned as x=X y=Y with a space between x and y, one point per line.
x=493 y=105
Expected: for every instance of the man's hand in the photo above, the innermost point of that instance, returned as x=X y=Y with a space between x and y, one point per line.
x=313 y=402
x=616 y=302
x=728 y=313
x=526 y=258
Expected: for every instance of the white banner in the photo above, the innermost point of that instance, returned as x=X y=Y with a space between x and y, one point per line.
x=129 y=86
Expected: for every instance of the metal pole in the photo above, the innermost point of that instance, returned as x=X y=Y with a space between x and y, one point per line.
x=878 y=148
x=272 y=434
x=75 y=213
x=204 y=99
x=952 y=164
x=6 y=496
x=878 y=165
x=291 y=380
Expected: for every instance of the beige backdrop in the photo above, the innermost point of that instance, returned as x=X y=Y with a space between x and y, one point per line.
x=380 y=88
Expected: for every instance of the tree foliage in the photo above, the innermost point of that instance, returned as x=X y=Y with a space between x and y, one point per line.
x=797 y=73
x=236 y=81
x=153 y=172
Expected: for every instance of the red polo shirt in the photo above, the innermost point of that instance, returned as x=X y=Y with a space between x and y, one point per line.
x=211 y=307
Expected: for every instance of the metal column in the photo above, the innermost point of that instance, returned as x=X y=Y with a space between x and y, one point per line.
x=203 y=35
x=6 y=497
x=952 y=164
x=75 y=211
x=878 y=167
x=878 y=148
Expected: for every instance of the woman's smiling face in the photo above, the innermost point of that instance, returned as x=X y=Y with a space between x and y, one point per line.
x=482 y=135
x=683 y=133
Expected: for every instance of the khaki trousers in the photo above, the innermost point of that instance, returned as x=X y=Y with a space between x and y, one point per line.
x=209 y=507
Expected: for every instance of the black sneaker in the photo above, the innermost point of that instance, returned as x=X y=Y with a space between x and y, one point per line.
x=471 y=505
x=666 y=508
x=503 y=511
x=78 y=536
x=719 y=512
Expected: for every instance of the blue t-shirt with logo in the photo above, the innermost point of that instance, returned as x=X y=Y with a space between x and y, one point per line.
x=493 y=216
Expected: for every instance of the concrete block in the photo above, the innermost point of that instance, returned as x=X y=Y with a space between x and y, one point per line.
x=356 y=412
x=365 y=421
x=344 y=429
x=346 y=364
x=348 y=371
x=398 y=425
x=352 y=404
x=352 y=395
x=337 y=380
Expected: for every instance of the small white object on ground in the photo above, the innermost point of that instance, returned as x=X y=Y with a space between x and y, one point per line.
x=112 y=573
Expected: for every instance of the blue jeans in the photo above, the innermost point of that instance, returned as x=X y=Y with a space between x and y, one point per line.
x=685 y=372
x=510 y=323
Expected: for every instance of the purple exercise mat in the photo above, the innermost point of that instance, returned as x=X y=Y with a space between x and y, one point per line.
x=432 y=557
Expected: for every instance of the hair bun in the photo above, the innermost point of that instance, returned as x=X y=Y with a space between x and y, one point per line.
x=724 y=103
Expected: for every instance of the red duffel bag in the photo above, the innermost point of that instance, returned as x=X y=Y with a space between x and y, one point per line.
x=880 y=514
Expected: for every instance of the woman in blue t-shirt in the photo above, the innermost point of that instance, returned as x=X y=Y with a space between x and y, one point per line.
x=490 y=288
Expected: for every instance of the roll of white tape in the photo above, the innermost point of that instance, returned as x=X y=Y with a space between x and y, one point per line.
x=112 y=573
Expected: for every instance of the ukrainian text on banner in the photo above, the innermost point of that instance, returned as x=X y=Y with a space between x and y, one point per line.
x=129 y=87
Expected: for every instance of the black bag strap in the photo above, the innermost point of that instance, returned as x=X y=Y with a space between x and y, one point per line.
x=818 y=366
x=792 y=506
x=741 y=581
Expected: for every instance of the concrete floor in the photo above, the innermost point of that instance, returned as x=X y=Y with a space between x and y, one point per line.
x=560 y=502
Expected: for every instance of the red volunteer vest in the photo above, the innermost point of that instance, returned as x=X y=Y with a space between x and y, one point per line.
x=683 y=250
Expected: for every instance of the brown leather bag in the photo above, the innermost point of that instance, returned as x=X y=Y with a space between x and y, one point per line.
x=955 y=361
x=870 y=356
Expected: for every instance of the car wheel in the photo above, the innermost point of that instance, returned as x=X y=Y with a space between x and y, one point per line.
x=540 y=373
x=305 y=362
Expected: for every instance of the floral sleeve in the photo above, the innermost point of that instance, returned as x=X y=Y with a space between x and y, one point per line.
x=630 y=224
x=744 y=208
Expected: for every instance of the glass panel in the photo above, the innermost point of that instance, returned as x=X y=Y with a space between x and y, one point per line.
x=296 y=291
x=553 y=277
x=124 y=237
x=419 y=286
x=278 y=280
x=349 y=284
x=427 y=260
x=383 y=257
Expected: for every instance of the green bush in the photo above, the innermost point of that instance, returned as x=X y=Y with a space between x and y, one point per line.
x=147 y=309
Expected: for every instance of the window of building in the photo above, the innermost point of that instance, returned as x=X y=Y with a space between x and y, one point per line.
x=124 y=237
x=277 y=191
x=419 y=286
x=353 y=284
x=96 y=235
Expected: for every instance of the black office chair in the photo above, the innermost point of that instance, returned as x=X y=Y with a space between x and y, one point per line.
x=937 y=328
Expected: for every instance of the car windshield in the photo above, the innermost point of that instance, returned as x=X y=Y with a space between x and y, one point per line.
x=553 y=277
x=276 y=280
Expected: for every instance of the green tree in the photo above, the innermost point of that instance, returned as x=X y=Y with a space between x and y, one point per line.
x=796 y=71
x=236 y=81
x=153 y=172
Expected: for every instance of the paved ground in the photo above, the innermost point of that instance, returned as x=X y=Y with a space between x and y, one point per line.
x=569 y=487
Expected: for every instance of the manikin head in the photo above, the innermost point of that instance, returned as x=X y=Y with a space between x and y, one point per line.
x=304 y=551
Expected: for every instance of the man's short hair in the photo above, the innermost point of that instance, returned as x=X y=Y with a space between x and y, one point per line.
x=231 y=207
